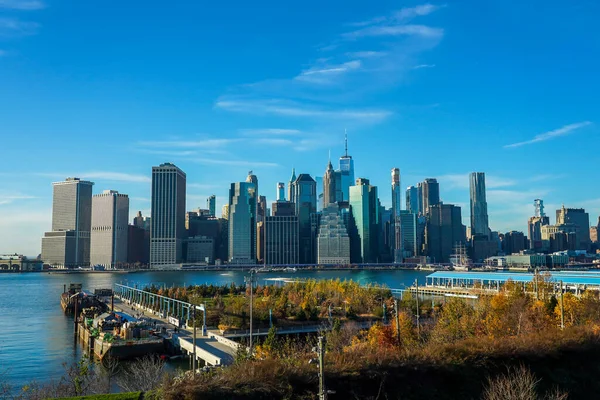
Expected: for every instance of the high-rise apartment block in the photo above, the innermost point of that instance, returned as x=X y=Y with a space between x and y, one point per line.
x=408 y=221
x=280 y=191
x=110 y=215
x=479 y=215
x=168 y=215
x=68 y=244
x=242 y=223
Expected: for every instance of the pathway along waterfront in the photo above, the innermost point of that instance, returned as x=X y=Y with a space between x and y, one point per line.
x=36 y=337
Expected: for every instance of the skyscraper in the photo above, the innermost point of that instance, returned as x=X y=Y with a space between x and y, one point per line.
x=280 y=191
x=242 y=223
x=396 y=208
x=305 y=192
x=408 y=223
x=365 y=212
x=68 y=244
x=281 y=236
x=168 y=215
x=479 y=215
x=211 y=205
x=413 y=200
x=109 y=238
x=444 y=231
x=581 y=220
x=329 y=186
x=291 y=194
x=430 y=194
x=346 y=172
x=333 y=243
x=534 y=225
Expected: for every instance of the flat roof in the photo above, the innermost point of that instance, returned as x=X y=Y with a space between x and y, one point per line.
x=575 y=277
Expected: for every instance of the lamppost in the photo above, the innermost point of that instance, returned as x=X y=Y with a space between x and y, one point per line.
x=250 y=280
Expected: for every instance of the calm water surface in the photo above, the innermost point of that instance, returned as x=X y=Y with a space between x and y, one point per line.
x=36 y=338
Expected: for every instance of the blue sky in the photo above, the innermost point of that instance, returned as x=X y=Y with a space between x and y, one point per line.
x=105 y=90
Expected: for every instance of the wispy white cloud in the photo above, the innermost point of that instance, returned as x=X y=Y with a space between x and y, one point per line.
x=275 y=141
x=424 y=66
x=324 y=73
x=205 y=143
x=173 y=153
x=25 y=5
x=108 y=176
x=233 y=163
x=461 y=181
x=16 y=27
x=271 y=131
x=546 y=177
x=7 y=198
x=366 y=54
x=402 y=15
x=141 y=199
x=396 y=30
x=280 y=107
x=200 y=186
x=542 y=137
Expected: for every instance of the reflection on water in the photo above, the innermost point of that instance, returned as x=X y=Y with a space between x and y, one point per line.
x=36 y=338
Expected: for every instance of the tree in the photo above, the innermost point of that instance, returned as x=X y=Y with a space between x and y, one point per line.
x=143 y=374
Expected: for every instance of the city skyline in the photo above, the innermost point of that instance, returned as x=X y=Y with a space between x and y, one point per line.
x=420 y=86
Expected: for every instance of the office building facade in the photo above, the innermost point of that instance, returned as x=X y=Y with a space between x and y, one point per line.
x=282 y=240
x=413 y=200
x=479 y=214
x=333 y=242
x=110 y=215
x=305 y=194
x=581 y=220
x=443 y=232
x=430 y=194
x=167 y=215
x=396 y=210
x=242 y=223
x=68 y=244
x=364 y=206
x=211 y=205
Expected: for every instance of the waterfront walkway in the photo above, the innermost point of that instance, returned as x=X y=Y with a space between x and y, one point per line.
x=211 y=349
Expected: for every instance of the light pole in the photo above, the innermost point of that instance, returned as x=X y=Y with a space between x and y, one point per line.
x=250 y=280
x=397 y=320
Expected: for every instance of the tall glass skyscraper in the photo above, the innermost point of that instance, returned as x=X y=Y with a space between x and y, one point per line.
x=305 y=193
x=364 y=206
x=396 y=209
x=413 y=200
x=242 y=223
x=346 y=172
x=211 y=204
x=430 y=190
x=479 y=215
x=68 y=244
x=168 y=215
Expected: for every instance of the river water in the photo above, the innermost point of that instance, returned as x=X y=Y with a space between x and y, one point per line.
x=36 y=338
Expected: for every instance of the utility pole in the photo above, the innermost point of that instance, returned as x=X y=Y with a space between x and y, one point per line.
x=250 y=280
x=562 y=307
x=537 y=297
x=397 y=320
x=322 y=390
x=418 y=312
x=194 y=342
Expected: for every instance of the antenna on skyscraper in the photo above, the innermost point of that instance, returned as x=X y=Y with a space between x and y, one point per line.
x=346 y=141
